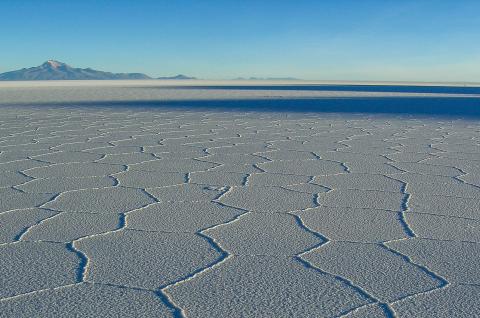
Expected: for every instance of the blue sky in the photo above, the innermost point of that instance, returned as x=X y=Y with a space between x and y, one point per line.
x=419 y=40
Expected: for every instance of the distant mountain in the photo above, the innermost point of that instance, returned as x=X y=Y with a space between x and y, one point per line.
x=268 y=78
x=54 y=70
x=177 y=77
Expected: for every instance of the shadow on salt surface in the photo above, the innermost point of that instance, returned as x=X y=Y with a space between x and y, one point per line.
x=339 y=88
x=444 y=106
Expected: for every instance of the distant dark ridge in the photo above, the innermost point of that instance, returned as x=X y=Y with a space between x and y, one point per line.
x=177 y=77
x=268 y=79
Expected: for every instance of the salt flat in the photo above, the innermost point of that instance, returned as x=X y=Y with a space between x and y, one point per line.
x=142 y=199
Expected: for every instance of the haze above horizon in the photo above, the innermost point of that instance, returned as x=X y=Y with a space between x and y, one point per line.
x=422 y=40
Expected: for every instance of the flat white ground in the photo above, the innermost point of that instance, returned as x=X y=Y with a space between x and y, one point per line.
x=157 y=212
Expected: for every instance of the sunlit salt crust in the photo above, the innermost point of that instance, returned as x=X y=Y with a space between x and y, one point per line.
x=110 y=211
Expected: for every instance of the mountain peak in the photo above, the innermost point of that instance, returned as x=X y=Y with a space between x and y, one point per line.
x=53 y=64
x=55 y=70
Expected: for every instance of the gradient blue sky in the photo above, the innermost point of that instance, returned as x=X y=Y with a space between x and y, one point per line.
x=419 y=40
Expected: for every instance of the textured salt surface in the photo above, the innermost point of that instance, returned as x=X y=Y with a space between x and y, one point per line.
x=141 y=212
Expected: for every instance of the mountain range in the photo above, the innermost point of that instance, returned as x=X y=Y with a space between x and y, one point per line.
x=55 y=70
